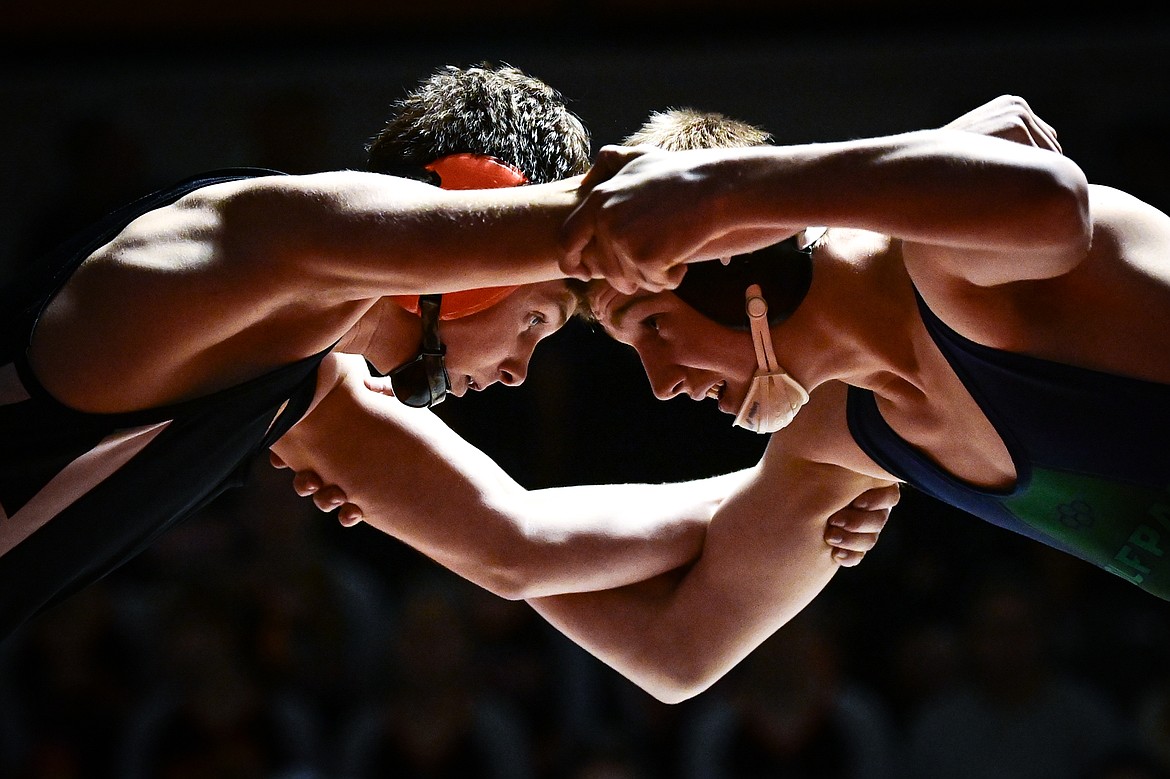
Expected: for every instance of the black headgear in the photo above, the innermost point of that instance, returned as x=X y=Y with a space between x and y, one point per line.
x=783 y=271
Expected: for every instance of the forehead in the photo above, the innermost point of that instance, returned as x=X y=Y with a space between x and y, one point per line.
x=547 y=294
x=610 y=307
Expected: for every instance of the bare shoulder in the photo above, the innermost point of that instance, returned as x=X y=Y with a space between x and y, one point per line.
x=190 y=298
x=1133 y=231
x=820 y=435
x=1109 y=312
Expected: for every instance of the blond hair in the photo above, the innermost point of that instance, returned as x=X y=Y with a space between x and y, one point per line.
x=683 y=129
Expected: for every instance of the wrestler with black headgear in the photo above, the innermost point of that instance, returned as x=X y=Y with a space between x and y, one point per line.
x=982 y=323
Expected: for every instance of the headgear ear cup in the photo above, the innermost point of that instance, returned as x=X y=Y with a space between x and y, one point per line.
x=714 y=289
x=459 y=304
x=475 y=171
x=773 y=397
x=460 y=172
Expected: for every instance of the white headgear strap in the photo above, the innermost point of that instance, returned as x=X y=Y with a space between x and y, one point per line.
x=774 y=397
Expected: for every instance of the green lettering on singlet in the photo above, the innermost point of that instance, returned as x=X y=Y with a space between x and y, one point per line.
x=1123 y=528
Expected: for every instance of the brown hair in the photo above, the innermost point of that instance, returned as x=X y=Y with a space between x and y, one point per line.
x=485 y=109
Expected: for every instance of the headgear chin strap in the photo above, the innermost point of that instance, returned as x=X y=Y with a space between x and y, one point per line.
x=423 y=380
x=774 y=397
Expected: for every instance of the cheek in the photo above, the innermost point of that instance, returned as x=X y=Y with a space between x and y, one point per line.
x=739 y=356
x=656 y=354
x=470 y=345
x=727 y=353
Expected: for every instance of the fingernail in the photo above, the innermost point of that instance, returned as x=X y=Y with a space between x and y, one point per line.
x=838 y=521
x=834 y=538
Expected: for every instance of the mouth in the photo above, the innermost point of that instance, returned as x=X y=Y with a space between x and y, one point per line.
x=719 y=393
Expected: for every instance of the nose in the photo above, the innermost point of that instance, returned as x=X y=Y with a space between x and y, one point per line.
x=512 y=378
x=514 y=370
x=665 y=383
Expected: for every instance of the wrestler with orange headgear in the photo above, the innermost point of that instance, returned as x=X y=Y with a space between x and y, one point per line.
x=148 y=360
x=145 y=363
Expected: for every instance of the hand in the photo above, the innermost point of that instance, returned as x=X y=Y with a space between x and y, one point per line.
x=379 y=384
x=325 y=497
x=637 y=226
x=1011 y=118
x=609 y=161
x=854 y=530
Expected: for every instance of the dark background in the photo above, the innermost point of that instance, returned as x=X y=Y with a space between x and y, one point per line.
x=105 y=101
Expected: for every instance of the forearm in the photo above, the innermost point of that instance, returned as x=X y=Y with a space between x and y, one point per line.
x=596 y=537
x=470 y=517
x=763 y=561
x=929 y=186
x=421 y=483
x=373 y=235
x=677 y=634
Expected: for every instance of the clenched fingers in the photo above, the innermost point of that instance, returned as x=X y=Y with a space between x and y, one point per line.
x=854 y=530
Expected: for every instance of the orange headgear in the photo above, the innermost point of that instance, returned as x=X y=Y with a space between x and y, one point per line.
x=469 y=171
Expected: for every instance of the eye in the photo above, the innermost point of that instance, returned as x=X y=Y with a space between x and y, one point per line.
x=536 y=319
x=651 y=322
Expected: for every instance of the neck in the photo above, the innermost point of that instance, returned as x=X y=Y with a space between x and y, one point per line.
x=853 y=326
x=387 y=335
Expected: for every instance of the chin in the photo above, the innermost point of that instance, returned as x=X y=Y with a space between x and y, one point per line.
x=728 y=407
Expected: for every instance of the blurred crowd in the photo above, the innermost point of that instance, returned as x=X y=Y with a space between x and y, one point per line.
x=262 y=641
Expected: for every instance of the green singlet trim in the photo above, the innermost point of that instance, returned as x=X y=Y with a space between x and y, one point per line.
x=1124 y=528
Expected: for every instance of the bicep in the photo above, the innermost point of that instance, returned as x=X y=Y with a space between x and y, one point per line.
x=763 y=560
x=765 y=556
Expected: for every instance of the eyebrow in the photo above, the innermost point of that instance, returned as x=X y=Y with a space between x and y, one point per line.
x=619 y=312
x=566 y=305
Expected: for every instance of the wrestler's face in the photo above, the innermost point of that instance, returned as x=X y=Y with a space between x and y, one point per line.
x=683 y=352
x=496 y=344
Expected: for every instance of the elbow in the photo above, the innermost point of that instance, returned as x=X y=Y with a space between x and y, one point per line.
x=508 y=568
x=676 y=690
x=509 y=584
x=1058 y=200
x=1047 y=219
x=503 y=575
x=500 y=584
x=672 y=676
x=1071 y=217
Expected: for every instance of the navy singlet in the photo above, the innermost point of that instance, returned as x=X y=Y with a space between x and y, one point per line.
x=1091 y=451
